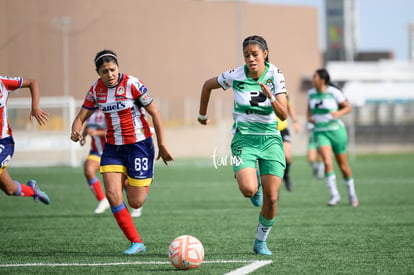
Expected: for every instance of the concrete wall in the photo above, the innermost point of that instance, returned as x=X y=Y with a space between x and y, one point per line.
x=171 y=45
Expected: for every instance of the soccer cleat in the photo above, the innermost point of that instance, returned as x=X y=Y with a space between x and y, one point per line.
x=102 y=206
x=38 y=195
x=135 y=248
x=288 y=183
x=334 y=201
x=257 y=199
x=260 y=248
x=136 y=212
x=354 y=201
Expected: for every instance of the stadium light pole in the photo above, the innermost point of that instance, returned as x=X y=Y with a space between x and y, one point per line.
x=64 y=23
x=411 y=41
x=350 y=23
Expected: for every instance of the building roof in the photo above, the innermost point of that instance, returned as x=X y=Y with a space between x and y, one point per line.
x=361 y=93
x=384 y=70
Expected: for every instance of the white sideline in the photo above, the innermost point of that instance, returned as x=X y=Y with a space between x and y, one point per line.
x=249 y=268
x=81 y=264
x=254 y=265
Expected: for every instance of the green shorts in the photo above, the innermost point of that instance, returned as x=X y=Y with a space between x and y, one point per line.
x=336 y=139
x=266 y=150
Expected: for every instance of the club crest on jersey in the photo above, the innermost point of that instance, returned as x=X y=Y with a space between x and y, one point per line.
x=120 y=91
x=269 y=83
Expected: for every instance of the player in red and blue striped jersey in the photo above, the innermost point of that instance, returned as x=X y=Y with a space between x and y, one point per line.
x=129 y=150
x=7 y=184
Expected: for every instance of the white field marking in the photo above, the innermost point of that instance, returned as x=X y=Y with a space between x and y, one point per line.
x=82 y=264
x=123 y=263
x=249 y=268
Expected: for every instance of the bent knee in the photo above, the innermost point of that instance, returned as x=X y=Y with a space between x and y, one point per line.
x=272 y=200
x=248 y=193
x=135 y=204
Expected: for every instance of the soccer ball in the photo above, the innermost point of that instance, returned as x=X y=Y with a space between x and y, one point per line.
x=186 y=252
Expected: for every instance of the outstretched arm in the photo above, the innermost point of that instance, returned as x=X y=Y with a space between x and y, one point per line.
x=77 y=124
x=205 y=98
x=163 y=152
x=36 y=112
x=294 y=118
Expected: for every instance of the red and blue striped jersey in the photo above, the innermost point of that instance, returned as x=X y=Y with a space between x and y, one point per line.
x=123 y=106
x=7 y=85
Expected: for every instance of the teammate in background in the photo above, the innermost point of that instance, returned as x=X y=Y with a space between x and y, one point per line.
x=129 y=152
x=259 y=96
x=284 y=131
x=7 y=184
x=326 y=104
x=95 y=127
x=314 y=158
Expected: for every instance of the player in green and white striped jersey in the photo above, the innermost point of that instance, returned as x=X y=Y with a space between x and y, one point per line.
x=259 y=96
x=326 y=104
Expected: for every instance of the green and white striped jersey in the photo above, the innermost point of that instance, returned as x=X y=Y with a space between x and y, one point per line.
x=253 y=112
x=322 y=104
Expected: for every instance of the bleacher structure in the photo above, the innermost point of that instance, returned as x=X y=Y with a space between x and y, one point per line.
x=382 y=96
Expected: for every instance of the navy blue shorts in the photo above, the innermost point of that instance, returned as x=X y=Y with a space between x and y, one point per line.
x=135 y=160
x=6 y=151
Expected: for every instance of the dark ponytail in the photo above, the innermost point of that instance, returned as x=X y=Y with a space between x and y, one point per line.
x=323 y=74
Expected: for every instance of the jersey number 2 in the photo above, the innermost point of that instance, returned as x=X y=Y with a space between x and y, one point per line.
x=256 y=98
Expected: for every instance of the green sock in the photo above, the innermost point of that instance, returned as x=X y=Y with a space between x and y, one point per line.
x=264 y=227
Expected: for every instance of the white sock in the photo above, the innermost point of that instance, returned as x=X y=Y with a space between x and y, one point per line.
x=351 y=187
x=321 y=170
x=262 y=232
x=321 y=166
x=331 y=183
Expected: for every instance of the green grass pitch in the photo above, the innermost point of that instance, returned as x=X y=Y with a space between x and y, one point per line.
x=192 y=197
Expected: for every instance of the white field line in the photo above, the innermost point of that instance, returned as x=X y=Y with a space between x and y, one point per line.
x=82 y=264
x=253 y=266
x=249 y=268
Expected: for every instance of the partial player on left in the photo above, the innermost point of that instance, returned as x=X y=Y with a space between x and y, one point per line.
x=7 y=184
